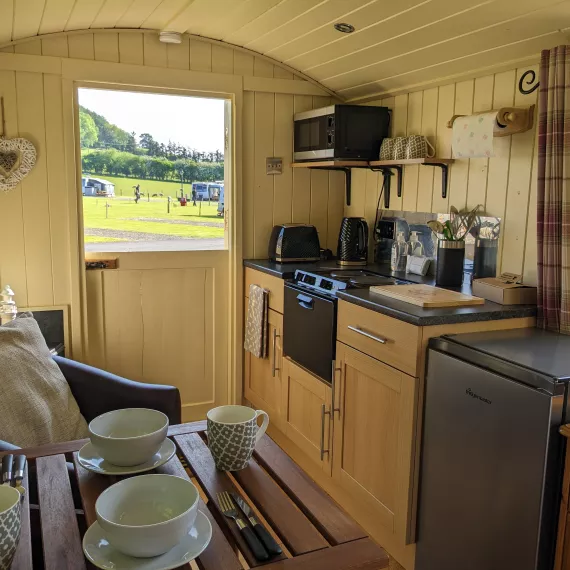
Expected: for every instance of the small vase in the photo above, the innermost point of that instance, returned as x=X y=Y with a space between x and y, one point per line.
x=450 y=258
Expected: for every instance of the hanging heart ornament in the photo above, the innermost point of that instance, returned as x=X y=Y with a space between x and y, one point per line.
x=17 y=158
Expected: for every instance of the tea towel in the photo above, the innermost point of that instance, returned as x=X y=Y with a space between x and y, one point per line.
x=256 y=329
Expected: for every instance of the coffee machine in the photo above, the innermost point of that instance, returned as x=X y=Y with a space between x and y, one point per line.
x=353 y=242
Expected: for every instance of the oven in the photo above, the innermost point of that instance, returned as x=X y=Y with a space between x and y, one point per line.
x=309 y=329
x=349 y=132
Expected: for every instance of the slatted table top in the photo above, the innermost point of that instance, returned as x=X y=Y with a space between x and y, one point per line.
x=315 y=533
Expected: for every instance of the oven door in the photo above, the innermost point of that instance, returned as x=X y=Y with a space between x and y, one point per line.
x=309 y=330
x=314 y=136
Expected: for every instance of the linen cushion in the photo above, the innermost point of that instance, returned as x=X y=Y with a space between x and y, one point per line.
x=36 y=404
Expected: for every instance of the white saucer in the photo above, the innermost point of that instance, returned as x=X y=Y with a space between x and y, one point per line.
x=92 y=461
x=100 y=553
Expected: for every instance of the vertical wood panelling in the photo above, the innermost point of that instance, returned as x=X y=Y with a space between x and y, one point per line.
x=33 y=47
x=429 y=130
x=411 y=173
x=106 y=47
x=301 y=176
x=56 y=47
x=178 y=55
x=263 y=184
x=530 y=251
x=200 y=56
x=12 y=248
x=154 y=51
x=283 y=148
x=335 y=208
x=35 y=200
x=81 y=46
x=262 y=68
x=222 y=59
x=243 y=63
x=248 y=172
x=399 y=129
x=131 y=48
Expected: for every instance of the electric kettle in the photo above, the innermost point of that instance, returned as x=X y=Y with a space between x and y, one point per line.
x=353 y=242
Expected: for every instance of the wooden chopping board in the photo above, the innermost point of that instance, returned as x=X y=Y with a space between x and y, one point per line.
x=426 y=296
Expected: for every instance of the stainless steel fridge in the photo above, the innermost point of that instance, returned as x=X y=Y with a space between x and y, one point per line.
x=492 y=457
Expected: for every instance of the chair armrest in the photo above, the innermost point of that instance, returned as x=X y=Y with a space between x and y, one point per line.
x=97 y=392
x=5 y=446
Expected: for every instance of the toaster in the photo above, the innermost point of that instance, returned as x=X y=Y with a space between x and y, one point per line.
x=294 y=242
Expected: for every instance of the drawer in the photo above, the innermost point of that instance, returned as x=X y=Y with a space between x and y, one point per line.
x=387 y=339
x=273 y=284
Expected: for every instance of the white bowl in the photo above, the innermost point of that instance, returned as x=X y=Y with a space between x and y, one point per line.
x=130 y=436
x=147 y=515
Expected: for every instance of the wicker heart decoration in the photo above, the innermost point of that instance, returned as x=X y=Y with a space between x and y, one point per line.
x=10 y=151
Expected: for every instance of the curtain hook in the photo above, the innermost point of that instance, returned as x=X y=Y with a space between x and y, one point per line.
x=530 y=81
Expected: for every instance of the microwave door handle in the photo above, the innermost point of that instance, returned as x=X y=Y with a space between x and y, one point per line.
x=305 y=302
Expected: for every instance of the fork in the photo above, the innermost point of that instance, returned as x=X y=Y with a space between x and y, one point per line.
x=229 y=509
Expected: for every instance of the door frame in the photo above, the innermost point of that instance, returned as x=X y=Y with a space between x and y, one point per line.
x=77 y=74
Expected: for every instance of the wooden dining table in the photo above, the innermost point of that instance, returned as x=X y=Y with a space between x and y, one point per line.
x=314 y=532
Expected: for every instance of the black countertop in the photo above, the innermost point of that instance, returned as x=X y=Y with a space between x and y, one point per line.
x=398 y=309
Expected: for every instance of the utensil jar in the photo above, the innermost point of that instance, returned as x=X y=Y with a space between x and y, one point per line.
x=450 y=258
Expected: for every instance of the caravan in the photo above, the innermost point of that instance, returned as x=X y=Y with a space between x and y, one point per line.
x=97 y=187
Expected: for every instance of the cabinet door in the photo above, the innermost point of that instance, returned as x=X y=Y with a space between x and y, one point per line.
x=306 y=413
x=262 y=378
x=373 y=437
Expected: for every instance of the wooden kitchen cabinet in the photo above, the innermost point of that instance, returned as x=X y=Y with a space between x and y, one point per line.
x=373 y=437
x=274 y=285
x=262 y=376
x=306 y=413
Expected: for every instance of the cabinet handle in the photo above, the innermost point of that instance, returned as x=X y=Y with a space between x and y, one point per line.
x=368 y=335
x=334 y=371
x=274 y=368
x=323 y=414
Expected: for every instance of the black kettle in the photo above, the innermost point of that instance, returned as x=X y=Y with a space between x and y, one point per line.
x=353 y=242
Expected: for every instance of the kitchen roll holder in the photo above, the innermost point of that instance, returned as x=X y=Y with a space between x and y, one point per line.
x=510 y=120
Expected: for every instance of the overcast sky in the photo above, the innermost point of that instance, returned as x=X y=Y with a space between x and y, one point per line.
x=190 y=121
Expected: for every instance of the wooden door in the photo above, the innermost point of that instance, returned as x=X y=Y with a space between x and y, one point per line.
x=262 y=378
x=306 y=413
x=373 y=437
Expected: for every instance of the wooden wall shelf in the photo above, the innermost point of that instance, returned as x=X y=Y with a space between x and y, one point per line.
x=384 y=166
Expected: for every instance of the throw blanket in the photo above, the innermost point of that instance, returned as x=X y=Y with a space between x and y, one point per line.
x=256 y=328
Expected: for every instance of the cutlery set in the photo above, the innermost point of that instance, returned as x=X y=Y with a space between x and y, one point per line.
x=259 y=540
x=13 y=472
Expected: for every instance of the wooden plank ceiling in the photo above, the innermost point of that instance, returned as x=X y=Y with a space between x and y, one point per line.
x=397 y=45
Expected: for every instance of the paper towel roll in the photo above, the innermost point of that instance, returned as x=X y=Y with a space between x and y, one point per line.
x=473 y=135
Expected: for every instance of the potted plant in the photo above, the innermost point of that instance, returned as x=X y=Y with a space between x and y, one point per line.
x=451 y=245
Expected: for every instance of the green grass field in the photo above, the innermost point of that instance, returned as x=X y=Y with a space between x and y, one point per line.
x=124 y=215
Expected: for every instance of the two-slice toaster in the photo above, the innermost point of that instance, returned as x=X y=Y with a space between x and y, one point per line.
x=294 y=242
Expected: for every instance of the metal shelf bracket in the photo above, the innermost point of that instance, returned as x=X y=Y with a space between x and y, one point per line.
x=387 y=174
x=444 y=176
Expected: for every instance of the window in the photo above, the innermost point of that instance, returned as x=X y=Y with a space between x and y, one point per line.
x=152 y=171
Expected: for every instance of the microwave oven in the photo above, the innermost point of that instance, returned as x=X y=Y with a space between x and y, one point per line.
x=340 y=132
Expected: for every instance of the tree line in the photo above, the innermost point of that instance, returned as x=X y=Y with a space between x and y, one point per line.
x=108 y=149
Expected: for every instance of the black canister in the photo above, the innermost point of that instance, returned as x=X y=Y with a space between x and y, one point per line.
x=450 y=258
x=485 y=259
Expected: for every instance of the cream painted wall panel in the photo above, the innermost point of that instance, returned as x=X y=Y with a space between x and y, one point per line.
x=178 y=55
x=154 y=51
x=336 y=203
x=131 y=48
x=263 y=184
x=357 y=206
x=478 y=167
x=301 y=176
x=283 y=148
x=222 y=59
x=56 y=47
x=81 y=46
x=429 y=130
x=280 y=73
x=35 y=199
x=411 y=173
x=109 y=14
x=163 y=13
x=445 y=110
x=318 y=215
x=137 y=13
x=530 y=251
x=7 y=11
x=248 y=173
x=373 y=185
x=243 y=63
x=399 y=129
x=83 y=14
x=262 y=68
x=200 y=56
x=12 y=246
x=460 y=171
x=27 y=18
x=55 y=15
x=518 y=190
x=106 y=47
x=33 y=47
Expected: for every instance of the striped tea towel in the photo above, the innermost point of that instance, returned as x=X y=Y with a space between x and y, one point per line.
x=256 y=328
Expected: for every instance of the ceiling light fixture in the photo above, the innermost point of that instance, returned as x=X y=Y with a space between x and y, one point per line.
x=344 y=28
x=170 y=37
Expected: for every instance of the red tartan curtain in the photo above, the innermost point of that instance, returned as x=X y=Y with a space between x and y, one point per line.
x=553 y=198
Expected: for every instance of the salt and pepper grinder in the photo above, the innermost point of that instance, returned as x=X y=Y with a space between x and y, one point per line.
x=8 y=309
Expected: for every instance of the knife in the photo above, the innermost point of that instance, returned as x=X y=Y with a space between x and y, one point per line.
x=7 y=461
x=19 y=466
x=268 y=541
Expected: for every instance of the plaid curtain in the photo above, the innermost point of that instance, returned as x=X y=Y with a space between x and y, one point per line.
x=553 y=197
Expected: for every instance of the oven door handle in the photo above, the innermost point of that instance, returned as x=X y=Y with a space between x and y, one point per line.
x=305 y=301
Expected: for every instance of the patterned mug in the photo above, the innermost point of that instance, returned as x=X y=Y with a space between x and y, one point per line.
x=417 y=147
x=387 y=149
x=400 y=147
x=10 y=524
x=232 y=435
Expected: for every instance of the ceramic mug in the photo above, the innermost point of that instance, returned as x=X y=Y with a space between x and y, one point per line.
x=400 y=147
x=417 y=147
x=10 y=524
x=387 y=149
x=232 y=435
